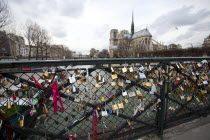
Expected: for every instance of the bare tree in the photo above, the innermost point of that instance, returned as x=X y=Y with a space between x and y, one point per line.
x=93 y=52
x=28 y=35
x=4 y=13
x=67 y=53
x=103 y=54
x=38 y=38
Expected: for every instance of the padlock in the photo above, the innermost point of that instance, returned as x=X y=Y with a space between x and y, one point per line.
x=120 y=105
x=17 y=81
x=25 y=86
x=189 y=98
x=102 y=98
x=8 y=104
x=67 y=90
x=97 y=85
x=14 y=97
x=113 y=84
x=125 y=101
x=130 y=69
x=4 y=82
x=120 y=84
x=77 y=100
x=129 y=122
x=181 y=88
x=148 y=84
x=44 y=109
x=21 y=121
x=114 y=107
x=46 y=75
x=124 y=70
x=131 y=94
x=197 y=99
x=98 y=78
x=0 y=124
x=79 y=82
x=138 y=92
x=114 y=75
x=124 y=92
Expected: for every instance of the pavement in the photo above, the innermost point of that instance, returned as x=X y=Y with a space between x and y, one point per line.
x=198 y=129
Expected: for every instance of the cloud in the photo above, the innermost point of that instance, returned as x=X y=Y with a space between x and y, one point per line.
x=72 y=8
x=59 y=33
x=44 y=8
x=181 y=17
x=195 y=30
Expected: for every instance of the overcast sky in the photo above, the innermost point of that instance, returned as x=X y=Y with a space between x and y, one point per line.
x=85 y=24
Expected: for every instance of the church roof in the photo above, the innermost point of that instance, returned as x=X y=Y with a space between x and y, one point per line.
x=140 y=33
x=127 y=35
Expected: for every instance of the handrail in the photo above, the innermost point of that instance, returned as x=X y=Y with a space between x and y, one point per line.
x=45 y=63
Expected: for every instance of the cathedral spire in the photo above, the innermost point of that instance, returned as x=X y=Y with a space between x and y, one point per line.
x=132 y=25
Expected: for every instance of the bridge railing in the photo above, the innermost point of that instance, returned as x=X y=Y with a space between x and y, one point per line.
x=101 y=98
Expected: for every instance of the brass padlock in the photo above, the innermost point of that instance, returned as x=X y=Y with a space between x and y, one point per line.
x=97 y=85
x=120 y=84
x=138 y=92
x=114 y=75
x=21 y=121
x=44 y=109
x=46 y=75
x=125 y=101
x=77 y=100
x=8 y=104
x=98 y=78
x=189 y=98
x=130 y=69
x=148 y=84
x=124 y=70
x=67 y=90
x=197 y=99
x=114 y=107
x=120 y=105
x=113 y=84
x=4 y=82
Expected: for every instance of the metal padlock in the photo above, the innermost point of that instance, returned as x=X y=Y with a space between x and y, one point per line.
x=98 y=78
x=44 y=109
x=0 y=124
x=130 y=69
x=21 y=121
x=114 y=107
x=114 y=75
x=8 y=104
x=125 y=101
x=120 y=105
x=124 y=69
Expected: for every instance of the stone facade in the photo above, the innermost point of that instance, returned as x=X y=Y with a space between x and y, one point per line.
x=206 y=42
x=129 y=44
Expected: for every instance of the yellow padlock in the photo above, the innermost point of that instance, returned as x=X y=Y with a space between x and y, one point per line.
x=21 y=121
x=45 y=110
x=8 y=104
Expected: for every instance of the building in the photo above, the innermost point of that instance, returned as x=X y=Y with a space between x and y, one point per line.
x=131 y=44
x=11 y=44
x=206 y=42
x=57 y=51
x=4 y=44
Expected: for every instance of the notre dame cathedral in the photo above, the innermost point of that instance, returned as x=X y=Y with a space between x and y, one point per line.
x=125 y=44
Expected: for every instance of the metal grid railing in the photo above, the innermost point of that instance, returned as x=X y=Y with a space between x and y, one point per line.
x=133 y=97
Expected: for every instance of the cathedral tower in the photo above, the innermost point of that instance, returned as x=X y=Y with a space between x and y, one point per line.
x=132 y=26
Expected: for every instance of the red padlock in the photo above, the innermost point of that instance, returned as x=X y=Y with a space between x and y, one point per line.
x=14 y=97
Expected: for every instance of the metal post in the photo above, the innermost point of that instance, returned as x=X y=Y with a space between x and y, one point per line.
x=163 y=92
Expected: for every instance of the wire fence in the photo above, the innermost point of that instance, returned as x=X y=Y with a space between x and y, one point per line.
x=101 y=99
